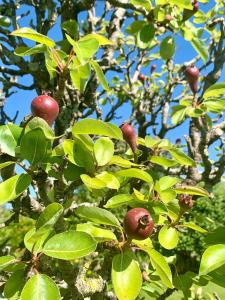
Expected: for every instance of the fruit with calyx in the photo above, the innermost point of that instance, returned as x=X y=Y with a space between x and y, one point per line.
x=129 y=136
x=185 y=202
x=45 y=107
x=192 y=74
x=141 y=77
x=138 y=224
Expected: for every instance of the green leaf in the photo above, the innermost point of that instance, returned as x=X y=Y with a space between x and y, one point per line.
x=168 y=237
x=34 y=146
x=69 y=245
x=100 y=38
x=167 y=48
x=34 y=240
x=178 y=114
x=110 y=180
x=103 y=150
x=135 y=26
x=167 y=195
x=194 y=227
x=215 y=105
x=162 y=161
x=11 y=188
x=201 y=48
x=119 y=161
x=161 y=266
x=39 y=123
x=99 y=234
x=9 y=136
x=26 y=51
x=119 y=200
x=97 y=215
x=83 y=155
x=145 y=36
x=216 y=236
x=50 y=215
x=71 y=27
x=6 y=261
x=14 y=284
x=135 y=173
x=6 y=164
x=92 y=126
x=167 y=182
x=191 y=190
x=126 y=276
x=100 y=75
x=40 y=287
x=215 y=90
x=212 y=259
x=33 y=35
x=181 y=158
x=92 y=183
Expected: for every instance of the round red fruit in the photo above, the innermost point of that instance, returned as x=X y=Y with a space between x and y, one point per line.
x=141 y=77
x=138 y=224
x=45 y=107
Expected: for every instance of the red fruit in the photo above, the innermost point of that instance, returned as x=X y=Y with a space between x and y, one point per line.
x=141 y=77
x=169 y=18
x=153 y=67
x=192 y=74
x=129 y=136
x=178 y=141
x=138 y=223
x=196 y=7
x=45 y=107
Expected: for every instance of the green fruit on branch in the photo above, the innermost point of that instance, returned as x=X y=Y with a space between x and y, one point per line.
x=192 y=73
x=45 y=107
x=138 y=224
x=129 y=136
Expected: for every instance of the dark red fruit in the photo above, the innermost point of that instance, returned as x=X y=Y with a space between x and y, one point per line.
x=129 y=136
x=196 y=7
x=153 y=67
x=46 y=108
x=185 y=202
x=141 y=77
x=138 y=223
x=169 y=18
x=178 y=141
x=192 y=74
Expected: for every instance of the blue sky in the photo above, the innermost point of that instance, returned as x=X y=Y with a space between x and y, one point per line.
x=21 y=100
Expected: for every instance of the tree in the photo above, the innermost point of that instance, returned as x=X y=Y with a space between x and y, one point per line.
x=96 y=65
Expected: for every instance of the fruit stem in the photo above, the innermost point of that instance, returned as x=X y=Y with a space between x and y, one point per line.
x=174 y=223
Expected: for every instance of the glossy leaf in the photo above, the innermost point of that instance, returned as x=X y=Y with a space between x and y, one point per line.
x=119 y=161
x=34 y=239
x=168 y=237
x=191 y=190
x=126 y=276
x=100 y=38
x=194 y=227
x=110 y=180
x=69 y=245
x=34 y=146
x=212 y=259
x=167 y=182
x=92 y=126
x=119 y=200
x=14 y=284
x=6 y=164
x=215 y=90
x=9 y=135
x=26 y=51
x=99 y=234
x=5 y=261
x=33 y=35
x=97 y=215
x=11 y=188
x=100 y=75
x=162 y=161
x=92 y=182
x=135 y=173
x=167 y=48
x=50 y=215
x=103 y=150
x=161 y=266
x=201 y=48
x=40 y=287
x=40 y=123
x=181 y=158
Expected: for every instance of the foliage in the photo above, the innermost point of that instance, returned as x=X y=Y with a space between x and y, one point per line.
x=71 y=185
